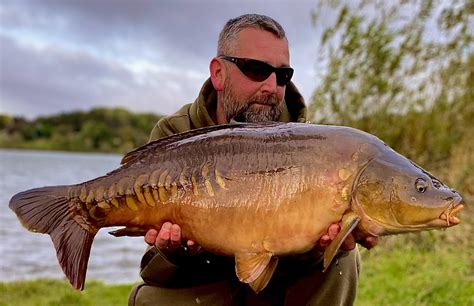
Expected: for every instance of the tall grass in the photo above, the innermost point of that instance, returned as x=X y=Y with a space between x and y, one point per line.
x=48 y=292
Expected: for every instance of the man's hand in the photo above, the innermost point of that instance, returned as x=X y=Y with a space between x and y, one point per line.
x=168 y=239
x=349 y=244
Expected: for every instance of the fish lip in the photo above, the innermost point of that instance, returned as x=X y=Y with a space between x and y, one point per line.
x=448 y=216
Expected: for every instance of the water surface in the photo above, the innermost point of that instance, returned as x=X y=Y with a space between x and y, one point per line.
x=25 y=255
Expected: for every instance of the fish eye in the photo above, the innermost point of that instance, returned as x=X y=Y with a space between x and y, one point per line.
x=421 y=185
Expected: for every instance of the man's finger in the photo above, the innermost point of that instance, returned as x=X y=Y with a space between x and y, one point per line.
x=349 y=243
x=333 y=230
x=163 y=239
x=369 y=242
x=192 y=245
x=150 y=236
x=193 y=248
x=175 y=237
x=324 y=241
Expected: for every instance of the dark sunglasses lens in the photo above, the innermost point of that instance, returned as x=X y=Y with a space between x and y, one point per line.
x=260 y=71
x=284 y=76
x=256 y=70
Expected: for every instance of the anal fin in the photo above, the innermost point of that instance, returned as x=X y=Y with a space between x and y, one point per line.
x=262 y=281
x=249 y=266
x=349 y=221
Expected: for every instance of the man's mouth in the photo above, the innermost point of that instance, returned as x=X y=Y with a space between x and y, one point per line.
x=262 y=103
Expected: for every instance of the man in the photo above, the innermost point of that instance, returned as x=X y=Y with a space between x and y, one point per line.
x=249 y=82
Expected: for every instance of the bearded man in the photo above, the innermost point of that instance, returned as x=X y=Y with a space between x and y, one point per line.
x=250 y=81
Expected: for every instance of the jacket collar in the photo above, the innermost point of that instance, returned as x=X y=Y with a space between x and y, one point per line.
x=294 y=109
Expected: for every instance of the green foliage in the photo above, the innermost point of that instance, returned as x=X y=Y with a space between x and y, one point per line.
x=402 y=70
x=428 y=269
x=58 y=292
x=102 y=130
x=5 y=120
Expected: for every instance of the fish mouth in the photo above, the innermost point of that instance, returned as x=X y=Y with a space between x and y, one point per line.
x=449 y=214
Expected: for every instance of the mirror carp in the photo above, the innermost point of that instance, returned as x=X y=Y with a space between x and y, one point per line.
x=266 y=190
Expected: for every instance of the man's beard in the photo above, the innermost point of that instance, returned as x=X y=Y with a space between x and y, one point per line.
x=258 y=108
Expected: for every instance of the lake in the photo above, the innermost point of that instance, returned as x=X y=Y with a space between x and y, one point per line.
x=25 y=255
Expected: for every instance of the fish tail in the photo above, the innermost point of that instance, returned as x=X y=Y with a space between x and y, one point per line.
x=48 y=210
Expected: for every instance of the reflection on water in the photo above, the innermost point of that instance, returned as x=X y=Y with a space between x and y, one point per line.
x=25 y=255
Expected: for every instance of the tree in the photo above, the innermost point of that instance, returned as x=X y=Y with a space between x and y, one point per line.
x=393 y=67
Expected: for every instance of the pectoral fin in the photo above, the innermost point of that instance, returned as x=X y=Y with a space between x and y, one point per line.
x=349 y=221
x=129 y=231
x=249 y=266
x=262 y=281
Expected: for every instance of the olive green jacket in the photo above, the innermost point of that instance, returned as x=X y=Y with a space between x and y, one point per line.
x=211 y=278
x=196 y=115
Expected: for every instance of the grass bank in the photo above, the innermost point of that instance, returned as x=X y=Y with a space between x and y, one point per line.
x=415 y=272
x=49 y=292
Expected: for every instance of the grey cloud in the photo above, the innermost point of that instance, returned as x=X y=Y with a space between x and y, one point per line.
x=32 y=79
x=87 y=45
x=112 y=23
x=37 y=81
x=183 y=25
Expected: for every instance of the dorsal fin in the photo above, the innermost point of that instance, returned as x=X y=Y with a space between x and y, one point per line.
x=159 y=144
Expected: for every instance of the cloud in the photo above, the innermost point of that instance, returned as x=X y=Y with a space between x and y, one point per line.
x=59 y=79
x=144 y=55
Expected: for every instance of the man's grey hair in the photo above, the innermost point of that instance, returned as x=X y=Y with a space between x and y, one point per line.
x=233 y=27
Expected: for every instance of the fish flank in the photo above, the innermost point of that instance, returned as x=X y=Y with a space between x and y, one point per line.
x=162 y=194
x=131 y=203
x=162 y=178
x=156 y=196
x=111 y=192
x=137 y=187
x=83 y=194
x=99 y=194
x=209 y=189
x=174 y=190
x=147 y=192
x=195 y=186
x=103 y=205
x=168 y=183
x=153 y=180
x=114 y=202
x=90 y=198
x=219 y=180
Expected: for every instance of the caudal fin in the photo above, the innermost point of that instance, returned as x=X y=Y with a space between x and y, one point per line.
x=47 y=210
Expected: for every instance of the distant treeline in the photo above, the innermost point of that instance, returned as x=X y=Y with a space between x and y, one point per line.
x=101 y=130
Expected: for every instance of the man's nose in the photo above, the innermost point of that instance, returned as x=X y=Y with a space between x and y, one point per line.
x=270 y=84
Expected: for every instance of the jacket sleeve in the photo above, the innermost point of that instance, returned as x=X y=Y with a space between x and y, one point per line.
x=174 y=124
x=183 y=270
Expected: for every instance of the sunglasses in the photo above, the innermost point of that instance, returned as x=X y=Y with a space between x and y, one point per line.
x=259 y=71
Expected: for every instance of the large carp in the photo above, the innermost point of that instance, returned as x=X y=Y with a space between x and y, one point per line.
x=265 y=189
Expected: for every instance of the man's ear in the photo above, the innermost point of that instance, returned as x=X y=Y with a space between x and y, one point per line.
x=218 y=73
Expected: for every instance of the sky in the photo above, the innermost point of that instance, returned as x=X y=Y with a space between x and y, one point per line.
x=146 y=56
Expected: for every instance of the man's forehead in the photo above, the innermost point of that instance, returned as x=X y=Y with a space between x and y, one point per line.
x=262 y=45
